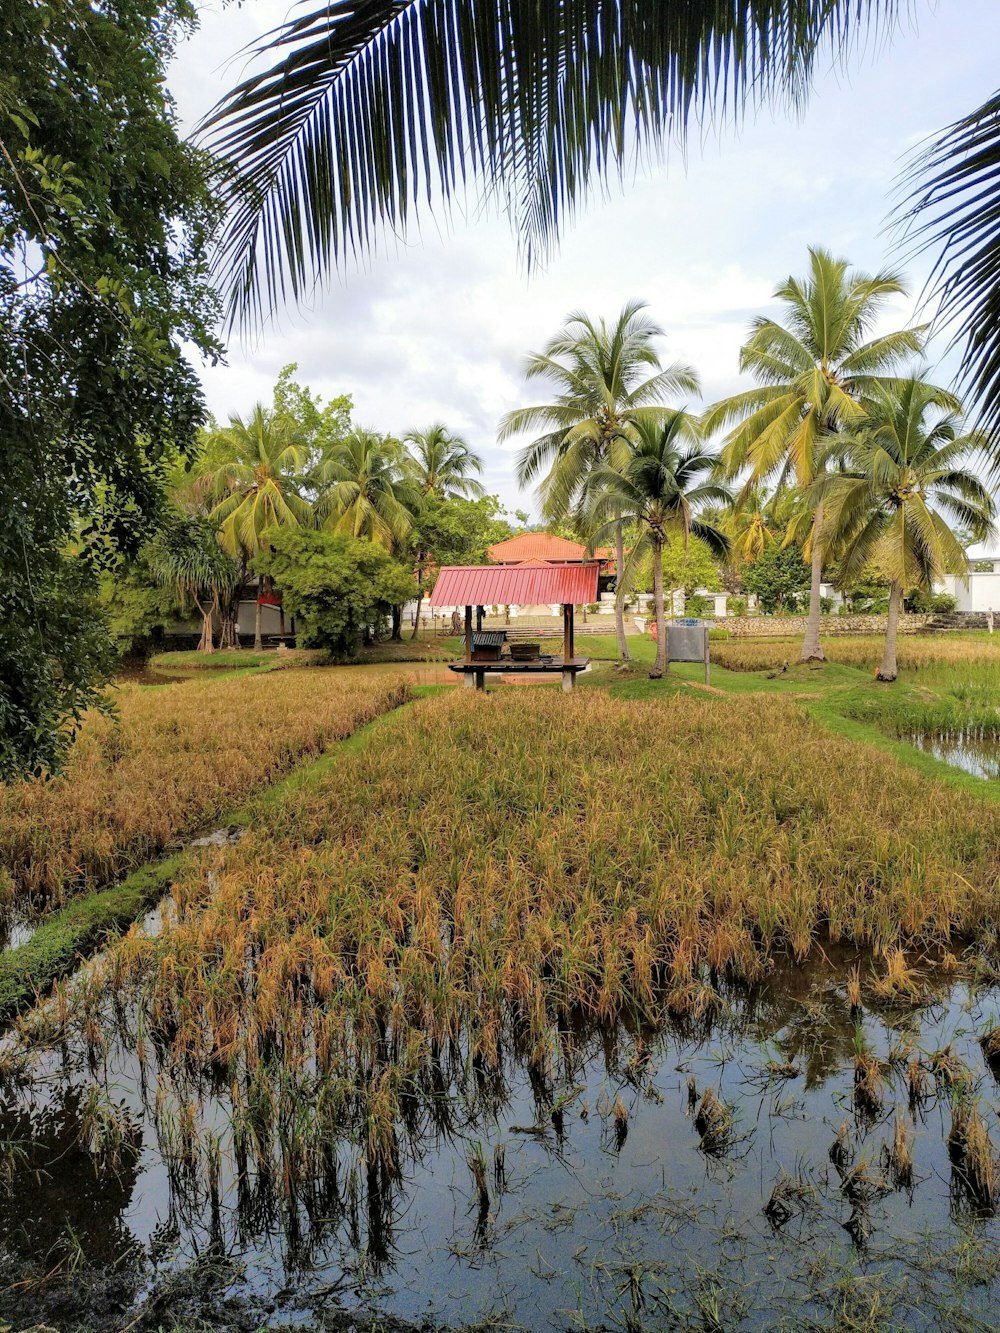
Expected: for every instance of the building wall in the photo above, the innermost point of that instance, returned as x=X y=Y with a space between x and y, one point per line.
x=981 y=593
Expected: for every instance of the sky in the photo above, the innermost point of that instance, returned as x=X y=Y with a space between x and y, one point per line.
x=437 y=329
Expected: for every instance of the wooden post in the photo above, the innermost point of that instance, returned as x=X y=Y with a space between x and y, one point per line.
x=479 y=618
x=567 y=632
x=572 y=631
x=468 y=633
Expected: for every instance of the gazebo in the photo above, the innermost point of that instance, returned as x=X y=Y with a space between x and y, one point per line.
x=500 y=585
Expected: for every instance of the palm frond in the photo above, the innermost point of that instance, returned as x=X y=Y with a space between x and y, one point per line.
x=954 y=207
x=368 y=111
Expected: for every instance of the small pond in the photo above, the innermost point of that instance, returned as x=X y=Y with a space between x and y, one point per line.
x=723 y=1170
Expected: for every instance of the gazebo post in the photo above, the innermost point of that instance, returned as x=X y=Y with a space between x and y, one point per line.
x=469 y=679
x=567 y=675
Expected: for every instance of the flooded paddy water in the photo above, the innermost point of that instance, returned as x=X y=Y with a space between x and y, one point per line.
x=976 y=752
x=778 y=1157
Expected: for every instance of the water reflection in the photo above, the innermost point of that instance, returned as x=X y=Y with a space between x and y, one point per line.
x=974 y=751
x=636 y=1174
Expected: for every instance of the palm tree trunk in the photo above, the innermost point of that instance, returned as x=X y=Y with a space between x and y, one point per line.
x=416 y=617
x=660 y=664
x=421 y=557
x=623 y=651
x=258 y=642
x=812 y=650
x=887 y=671
x=397 y=625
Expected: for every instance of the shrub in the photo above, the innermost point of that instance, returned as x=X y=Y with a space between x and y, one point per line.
x=736 y=606
x=942 y=603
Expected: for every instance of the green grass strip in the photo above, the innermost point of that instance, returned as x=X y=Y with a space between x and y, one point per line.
x=66 y=937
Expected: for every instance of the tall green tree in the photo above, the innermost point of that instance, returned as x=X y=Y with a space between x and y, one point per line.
x=357 y=116
x=364 y=491
x=903 y=489
x=660 y=488
x=814 y=369
x=252 y=471
x=104 y=216
x=440 y=467
x=440 y=463
x=607 y=379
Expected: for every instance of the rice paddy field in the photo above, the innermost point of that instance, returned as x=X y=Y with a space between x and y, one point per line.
x=646 y=1007
x=168 y=762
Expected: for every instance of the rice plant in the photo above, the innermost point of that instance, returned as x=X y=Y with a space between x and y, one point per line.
x=172 y=760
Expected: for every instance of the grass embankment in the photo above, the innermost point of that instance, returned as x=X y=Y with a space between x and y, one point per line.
x=173 y=760
x=915 y=654
x=457 y=884
x=436 y=649
x=233 y=660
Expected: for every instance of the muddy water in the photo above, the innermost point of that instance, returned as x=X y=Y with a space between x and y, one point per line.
x=974 y=752
x=606 y=1204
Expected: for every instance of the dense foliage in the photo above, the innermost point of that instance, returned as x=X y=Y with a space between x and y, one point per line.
x=340 y=588
x=103 y=218
x=779 y=578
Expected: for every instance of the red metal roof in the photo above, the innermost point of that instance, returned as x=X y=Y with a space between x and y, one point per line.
x=541 y=546
x=520 y=585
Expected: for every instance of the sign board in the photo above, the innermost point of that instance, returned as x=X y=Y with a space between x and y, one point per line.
x=688 y=642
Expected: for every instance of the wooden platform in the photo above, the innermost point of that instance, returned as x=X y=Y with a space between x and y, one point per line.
x=475 y=672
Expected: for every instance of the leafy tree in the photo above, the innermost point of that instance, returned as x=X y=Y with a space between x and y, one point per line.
x=903 y=487
x=104 y=214
x=813 y=372
x=777 y=578
x=364 y=490
x=539 y=103
x=455 y=531
x=607 y=379
x=690 y=564
x=341 y=589
x=439 y=467
x=186 y=556
x=135 y=606
x=252 y=471
x=660 y=488
x=321 y=425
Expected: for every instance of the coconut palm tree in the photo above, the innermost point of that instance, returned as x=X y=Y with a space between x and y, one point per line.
x=357 y=116
x=813 y=370
x=607 y=378
x=251 y=471
x=902 y=488
x=442 y=464
x=363 y=489
x=439 y=466
x=660 y=488
x=365 y=492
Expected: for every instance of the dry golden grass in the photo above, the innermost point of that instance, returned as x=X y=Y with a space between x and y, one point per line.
x=174 y=759
x=914 y=653
x=488 y=865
